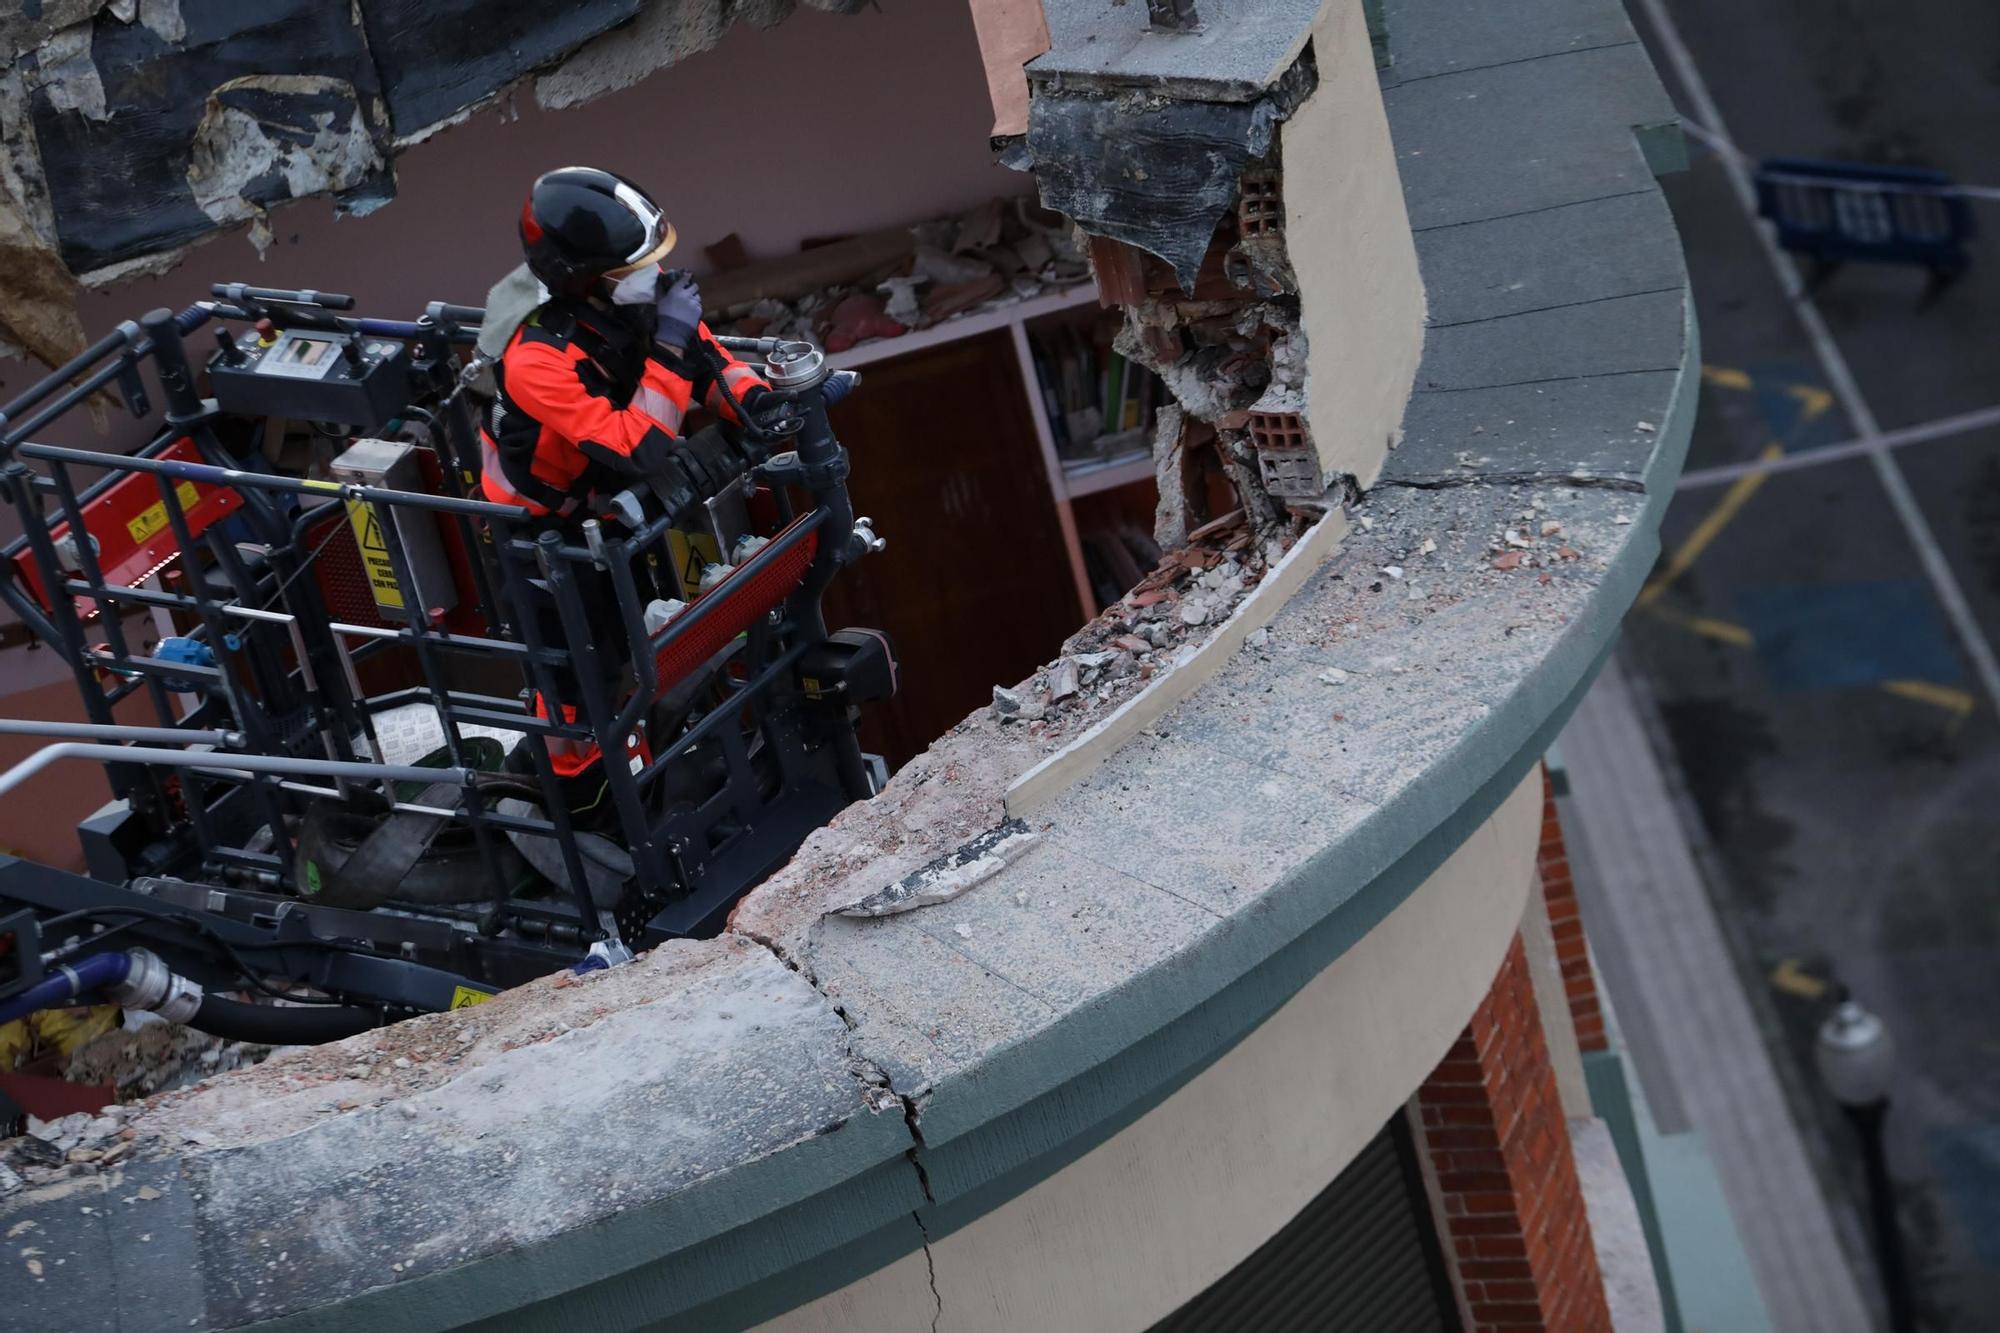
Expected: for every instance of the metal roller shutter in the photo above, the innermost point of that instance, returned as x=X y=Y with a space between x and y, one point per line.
x=1362 y=1257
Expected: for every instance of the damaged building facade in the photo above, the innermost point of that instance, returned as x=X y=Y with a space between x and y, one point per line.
x=1225 y=971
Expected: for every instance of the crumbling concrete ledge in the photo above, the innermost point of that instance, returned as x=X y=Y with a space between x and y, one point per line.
x=727 y=1130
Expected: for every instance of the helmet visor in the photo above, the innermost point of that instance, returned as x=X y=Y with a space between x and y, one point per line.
x=659 y=237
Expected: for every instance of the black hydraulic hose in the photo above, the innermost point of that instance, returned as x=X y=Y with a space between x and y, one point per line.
x=237 y=291
x=281 y=1025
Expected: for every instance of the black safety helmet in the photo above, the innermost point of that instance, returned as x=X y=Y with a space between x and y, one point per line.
x=580 y=224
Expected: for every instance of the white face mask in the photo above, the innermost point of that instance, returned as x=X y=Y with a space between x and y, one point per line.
x=640 y=288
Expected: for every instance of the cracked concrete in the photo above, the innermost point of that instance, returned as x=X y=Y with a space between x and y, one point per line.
x=1572 y=479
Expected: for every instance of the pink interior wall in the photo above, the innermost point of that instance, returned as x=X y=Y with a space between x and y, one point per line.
x=824 y=125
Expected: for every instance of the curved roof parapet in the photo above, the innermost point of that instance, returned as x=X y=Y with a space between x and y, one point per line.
x=726 y=1129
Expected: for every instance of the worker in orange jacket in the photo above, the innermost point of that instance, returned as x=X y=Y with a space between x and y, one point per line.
x=594 y=385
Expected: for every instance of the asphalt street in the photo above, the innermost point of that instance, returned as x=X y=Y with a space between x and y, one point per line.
x=1812 y=652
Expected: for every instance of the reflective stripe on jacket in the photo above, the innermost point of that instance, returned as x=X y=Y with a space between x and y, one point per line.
x=586 y=404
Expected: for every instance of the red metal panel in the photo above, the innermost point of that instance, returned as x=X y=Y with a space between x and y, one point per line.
x=130 y=526
x=746 y=600
x=343 y=580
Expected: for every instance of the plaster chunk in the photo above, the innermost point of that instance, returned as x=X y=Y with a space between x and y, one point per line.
x=950 y=875
x=37 y=294
x=663 y=34
x=65 y=71
x=304 y=130
x=163 y=19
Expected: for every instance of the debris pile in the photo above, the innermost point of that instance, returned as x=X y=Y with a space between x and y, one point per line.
x=152 y=1055
x=1231 y=349
x=1534 y=540
x=884 y=286
x=1192 y=590
x=78 y=1144
x=142 y=1057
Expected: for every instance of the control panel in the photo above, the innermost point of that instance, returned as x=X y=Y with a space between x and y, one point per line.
x=311 y=375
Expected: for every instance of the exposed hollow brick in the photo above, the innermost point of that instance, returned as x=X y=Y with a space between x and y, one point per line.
x=1513 y=1207
x=1278 y=431
x=1120 y=270
x=1260 y=208
x=1586 y=1014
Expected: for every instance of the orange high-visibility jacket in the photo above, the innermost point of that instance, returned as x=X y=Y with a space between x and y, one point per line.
x=586 y=404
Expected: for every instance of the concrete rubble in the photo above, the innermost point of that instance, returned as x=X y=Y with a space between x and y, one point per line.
x=1142 y=634
x=950 y=875
x=1177 y=174
x=1003 y=251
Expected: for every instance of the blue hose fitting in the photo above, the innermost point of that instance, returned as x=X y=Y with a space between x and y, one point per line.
x=64 y=983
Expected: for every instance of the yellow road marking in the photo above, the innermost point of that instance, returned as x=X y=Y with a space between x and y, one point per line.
x=1790 y=978
x=1709 y=528
x=1812 y=401
x=1710 y=627
x=1707 y=626
x=1946 y=697
x=1929 y=692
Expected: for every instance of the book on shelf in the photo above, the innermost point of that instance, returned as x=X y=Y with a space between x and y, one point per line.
x=1095 y=396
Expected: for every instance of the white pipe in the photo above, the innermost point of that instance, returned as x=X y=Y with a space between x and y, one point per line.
x=226 y=763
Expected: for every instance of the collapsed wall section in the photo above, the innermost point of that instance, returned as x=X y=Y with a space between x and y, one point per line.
x=1256 y=236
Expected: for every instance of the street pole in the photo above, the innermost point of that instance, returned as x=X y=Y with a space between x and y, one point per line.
x=1889 y=1257
x=1856 y=1061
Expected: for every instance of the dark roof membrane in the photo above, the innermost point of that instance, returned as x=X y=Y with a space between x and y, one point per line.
x=1153 y=171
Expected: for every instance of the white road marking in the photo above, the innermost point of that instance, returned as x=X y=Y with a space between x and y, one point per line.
x=1838 y=376
x=1943 y=427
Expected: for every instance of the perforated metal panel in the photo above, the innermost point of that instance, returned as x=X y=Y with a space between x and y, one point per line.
x=1362 y=1257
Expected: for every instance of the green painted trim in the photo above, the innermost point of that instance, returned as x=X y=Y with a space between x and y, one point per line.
x=1378 y=33
x=1110 y=1095
x=1665 y=147
x=1705 y=1251
x=1611 y=1098
x=834 y=1198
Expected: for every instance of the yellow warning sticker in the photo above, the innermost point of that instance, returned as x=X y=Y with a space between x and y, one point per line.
x=375 y=556
x=151 y=520
x=692 y=552
x=464 y=997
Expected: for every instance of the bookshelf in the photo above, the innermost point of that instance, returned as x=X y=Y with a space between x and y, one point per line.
x=1075 y=469
x=1080 y=479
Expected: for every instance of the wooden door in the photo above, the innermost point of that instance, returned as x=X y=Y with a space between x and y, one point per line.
x=975 y=586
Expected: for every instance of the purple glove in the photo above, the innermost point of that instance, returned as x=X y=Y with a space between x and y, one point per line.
x=680 y=311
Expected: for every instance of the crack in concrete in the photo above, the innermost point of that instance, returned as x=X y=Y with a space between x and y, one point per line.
x=872 y=1078
x=1580 y=481
x=930 y=1272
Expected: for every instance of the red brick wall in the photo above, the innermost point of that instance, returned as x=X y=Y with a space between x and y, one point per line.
x=1571 y=950
x=1499 y=1148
